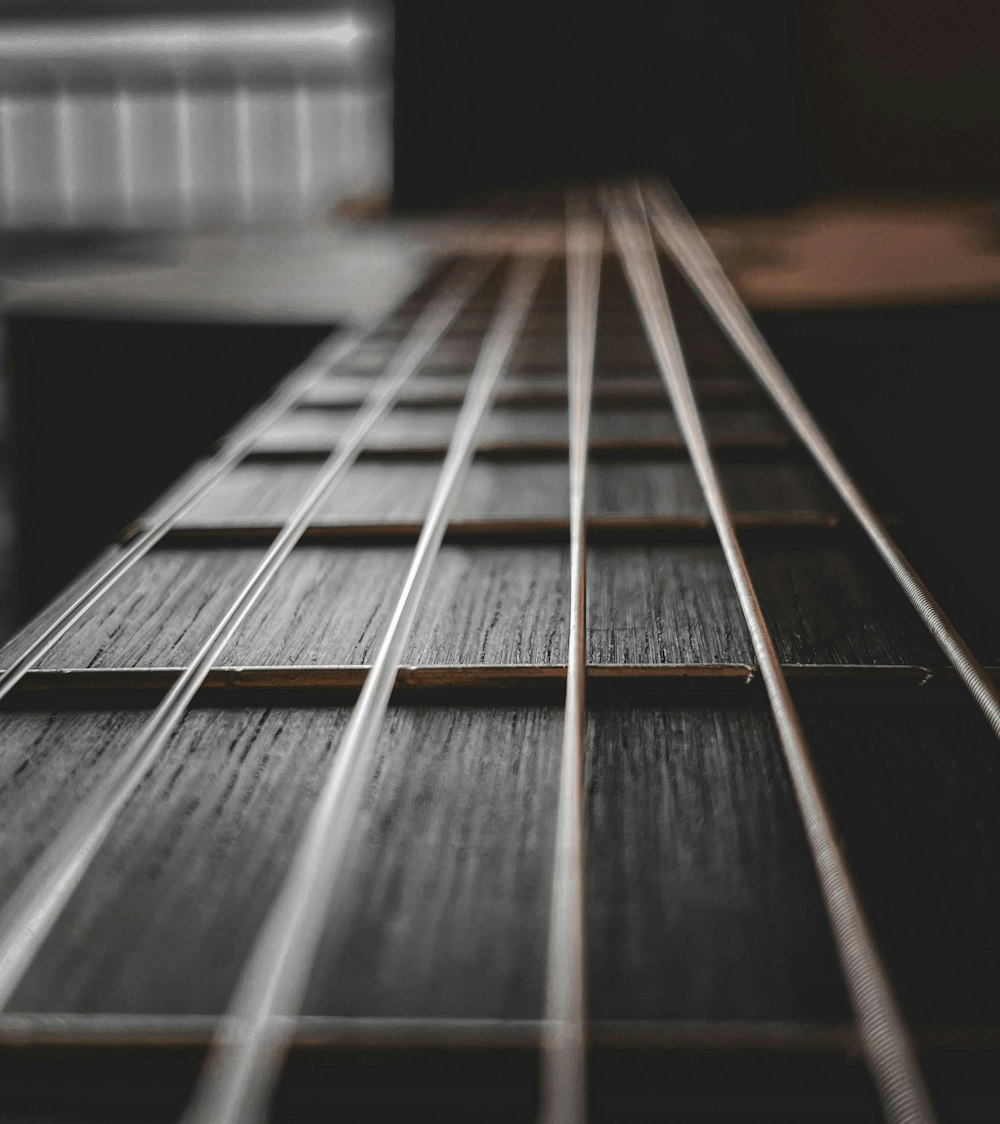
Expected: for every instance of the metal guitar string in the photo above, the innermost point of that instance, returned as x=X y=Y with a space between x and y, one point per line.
x=884 y=1035
x=564 y=1046
x=317 y=366
x=688 y=248
x=36 y=903
x=253 y=1035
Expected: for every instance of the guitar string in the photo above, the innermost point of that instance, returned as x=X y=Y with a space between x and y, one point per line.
x=253 y=1035
x=884 y=1035
x=687 y=246
x=36 y=903
x=564 y=1045
x=298 y=383
x=235 y=447
x=269 y=405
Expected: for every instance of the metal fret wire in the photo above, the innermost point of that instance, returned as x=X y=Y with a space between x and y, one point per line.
x=238 y=443
x=691 y=252
x=296 y=386
x=40 y=897
x=884 y=1035
x=253 y=1035
x=564 y=1046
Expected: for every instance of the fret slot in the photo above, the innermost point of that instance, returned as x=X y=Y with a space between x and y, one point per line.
x=800 y=527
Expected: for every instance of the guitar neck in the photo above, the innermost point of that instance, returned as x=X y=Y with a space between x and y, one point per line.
x=517 y=715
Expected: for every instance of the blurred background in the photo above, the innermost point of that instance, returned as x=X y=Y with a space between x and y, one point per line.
x=191 y=196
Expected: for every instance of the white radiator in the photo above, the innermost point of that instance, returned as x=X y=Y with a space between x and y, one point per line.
x=193 y=122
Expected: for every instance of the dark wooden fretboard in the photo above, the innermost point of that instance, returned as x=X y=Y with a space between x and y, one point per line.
x=443 y=507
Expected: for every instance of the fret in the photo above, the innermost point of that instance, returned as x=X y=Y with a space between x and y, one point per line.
x=228 y=456
x=232 y=451
x=664 y=596
x=39 y=899
x=451 y=1073
x=294 y=444
x=640 y=683
x=485 y=779
x=695 y=258
x=255 y=1032
x=885 y=1037
x=325 y=1031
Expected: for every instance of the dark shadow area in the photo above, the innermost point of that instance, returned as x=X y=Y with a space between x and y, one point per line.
x=908 y=397
x=106 y=414
x=493 y=97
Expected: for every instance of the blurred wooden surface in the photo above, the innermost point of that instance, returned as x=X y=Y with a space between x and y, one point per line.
x=857 y=252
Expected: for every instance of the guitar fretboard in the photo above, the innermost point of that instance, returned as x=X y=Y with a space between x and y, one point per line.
x=520 y=715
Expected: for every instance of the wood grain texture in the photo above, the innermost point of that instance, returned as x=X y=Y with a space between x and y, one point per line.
x=376 y=492
x=676 y=604
x=449 y=911
x=160 y=612
x=499 y=604
x=494 y=605
x=170 y=906
x=702 y=899
x=49 y=763
x=702 y=904
x=447 y=896
x=337 y=600
x=651 y=487
x=484 y=605
x=662 y=604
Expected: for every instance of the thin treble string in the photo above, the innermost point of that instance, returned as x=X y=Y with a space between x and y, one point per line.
x=253 y=1036
x=235 y=447
x=316 y=367
x=564 y=1046
x=35 y=905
